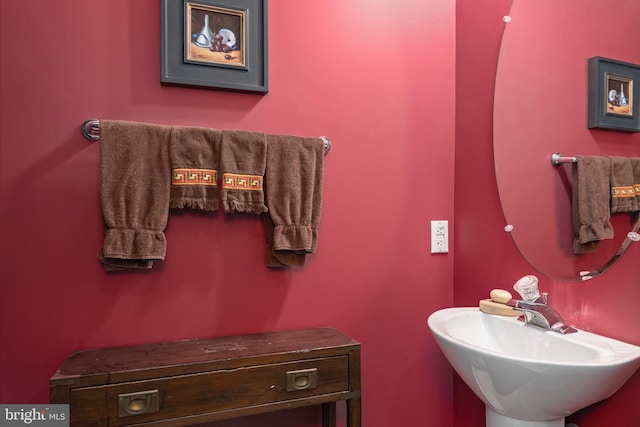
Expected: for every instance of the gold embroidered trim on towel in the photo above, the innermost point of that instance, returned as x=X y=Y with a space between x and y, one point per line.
x=623 y=191
x=234 y=181
x=190 y=176
x=637 y=189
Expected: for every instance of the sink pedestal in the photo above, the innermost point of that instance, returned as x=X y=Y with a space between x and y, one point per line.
x=494 y=419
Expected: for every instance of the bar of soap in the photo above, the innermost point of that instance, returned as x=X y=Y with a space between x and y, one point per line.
x=500 y=295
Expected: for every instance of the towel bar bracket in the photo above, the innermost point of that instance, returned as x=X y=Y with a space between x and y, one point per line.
x=327 y=144
x=91 y=130
x=557 y=159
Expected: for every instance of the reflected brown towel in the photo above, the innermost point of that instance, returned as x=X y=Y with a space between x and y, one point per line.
x=635 y=165
x=242 y=164
x=195 y=157
x=134 y=192
x=293 y=193
x=623 y=197
x=591 y=208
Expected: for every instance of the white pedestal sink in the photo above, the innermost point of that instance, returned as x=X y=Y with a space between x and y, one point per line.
x=526 y=376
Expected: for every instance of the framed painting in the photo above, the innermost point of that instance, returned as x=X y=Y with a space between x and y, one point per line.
x=614 y=95
x=217 y=44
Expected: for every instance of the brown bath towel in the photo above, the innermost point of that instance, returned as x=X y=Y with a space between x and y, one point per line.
x=115 y=264
x=591 y=207
x=623 y=196
x=195 y=159
x=242 y=164
x=293 y=193
x=134 y=192
x=280 y=258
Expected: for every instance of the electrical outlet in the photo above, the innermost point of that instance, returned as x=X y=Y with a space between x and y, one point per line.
x=439 y=237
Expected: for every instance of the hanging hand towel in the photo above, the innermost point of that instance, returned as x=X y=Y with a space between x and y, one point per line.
x=623 y=196
x=134 y=192
x=280 y=258
x=293 y=193
x=591 y=207
x=195 y=158
x=242 y=164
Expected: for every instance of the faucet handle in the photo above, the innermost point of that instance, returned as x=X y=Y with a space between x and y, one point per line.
x=527 y=287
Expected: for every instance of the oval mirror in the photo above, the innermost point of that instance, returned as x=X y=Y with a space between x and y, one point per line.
x=540 y=108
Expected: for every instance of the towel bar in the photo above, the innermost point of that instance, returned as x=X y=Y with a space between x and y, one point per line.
x=91 y=130
x=556 y=159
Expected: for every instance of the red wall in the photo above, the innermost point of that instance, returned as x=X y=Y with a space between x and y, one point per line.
x=377 y=79
x=486 y=256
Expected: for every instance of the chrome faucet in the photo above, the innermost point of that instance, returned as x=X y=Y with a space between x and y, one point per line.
x=535 y=309
x=539 y=313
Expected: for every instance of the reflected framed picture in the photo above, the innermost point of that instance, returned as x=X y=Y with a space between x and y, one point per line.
x=216 y=44
x=614 y=95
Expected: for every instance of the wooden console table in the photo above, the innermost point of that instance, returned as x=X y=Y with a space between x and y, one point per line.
x=197 y=381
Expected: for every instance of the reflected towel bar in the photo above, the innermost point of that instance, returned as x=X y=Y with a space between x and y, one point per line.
x=556 y=159
x=91 y=130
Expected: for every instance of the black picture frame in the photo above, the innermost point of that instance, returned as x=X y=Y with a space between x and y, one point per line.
x=614 y=95
x=245 y=68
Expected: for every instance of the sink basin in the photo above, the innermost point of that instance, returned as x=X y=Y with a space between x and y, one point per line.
x=525 y=375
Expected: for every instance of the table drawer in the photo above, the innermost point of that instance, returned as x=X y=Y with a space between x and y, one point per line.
x=188 y=395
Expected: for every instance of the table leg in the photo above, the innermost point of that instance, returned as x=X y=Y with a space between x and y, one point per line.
x=354 y=409
x=329 y=414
